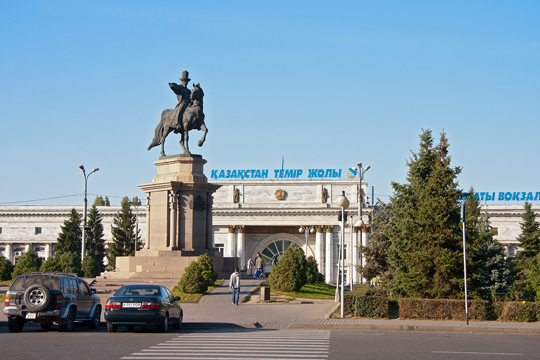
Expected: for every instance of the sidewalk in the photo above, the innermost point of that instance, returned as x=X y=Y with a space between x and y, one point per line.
x=216 y=310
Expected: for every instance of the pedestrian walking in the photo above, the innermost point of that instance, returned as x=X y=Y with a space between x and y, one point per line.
x=275 y=260
x=259 y=267
x=234 y=285
x=250 y=266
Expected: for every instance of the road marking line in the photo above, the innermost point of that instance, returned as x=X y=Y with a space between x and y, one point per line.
x=475 y=353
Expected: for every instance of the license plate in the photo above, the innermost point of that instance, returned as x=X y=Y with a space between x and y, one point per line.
x=131 y=305
x=30 y=315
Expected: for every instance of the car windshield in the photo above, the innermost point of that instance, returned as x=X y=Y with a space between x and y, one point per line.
x=22 y=283
x=138 y=290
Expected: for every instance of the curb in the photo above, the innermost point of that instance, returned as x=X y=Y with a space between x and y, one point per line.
x=425 y=328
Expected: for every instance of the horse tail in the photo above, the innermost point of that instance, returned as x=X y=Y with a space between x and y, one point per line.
x=158 y=133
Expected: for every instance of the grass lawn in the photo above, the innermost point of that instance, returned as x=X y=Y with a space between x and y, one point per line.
x=317 y=291
x=193 y=298
x=5 y=282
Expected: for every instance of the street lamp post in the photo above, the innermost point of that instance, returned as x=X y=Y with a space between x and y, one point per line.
x=83 y=249
x=343 y=202
x=359 y=222
x=307 y=230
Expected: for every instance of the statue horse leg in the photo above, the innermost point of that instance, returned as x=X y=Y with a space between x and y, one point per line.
x=183 y=141
x=205 y=129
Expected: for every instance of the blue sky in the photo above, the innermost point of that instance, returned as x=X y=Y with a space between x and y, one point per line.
x=323 y=84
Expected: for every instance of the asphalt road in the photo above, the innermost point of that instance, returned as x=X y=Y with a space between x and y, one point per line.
x=228 y=343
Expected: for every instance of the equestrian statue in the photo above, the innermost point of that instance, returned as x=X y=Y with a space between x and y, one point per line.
x=187 y=115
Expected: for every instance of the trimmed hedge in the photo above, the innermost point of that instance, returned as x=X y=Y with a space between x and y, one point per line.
x=442 y=309
x=374 y=306
x=518 y=311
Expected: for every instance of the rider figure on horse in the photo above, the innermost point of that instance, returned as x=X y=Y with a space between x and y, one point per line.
x=183 y=94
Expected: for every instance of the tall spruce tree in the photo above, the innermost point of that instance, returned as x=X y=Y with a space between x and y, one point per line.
x=95 y=244
x=527 y=262
x=487 y=267
x=125 y=239
x=424 y=228
x=70 y=237
x=375 y=254
x=529 y=239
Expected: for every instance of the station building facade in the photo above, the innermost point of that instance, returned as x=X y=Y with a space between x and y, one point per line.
x=250 y=217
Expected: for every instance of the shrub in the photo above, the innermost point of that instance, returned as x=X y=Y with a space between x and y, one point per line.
x=207 y=269
x=519 y=311
x=193 y=282
x=27 y=263
x=6 y=268
x=290 y=272
x=374 y=303
x=442 y=309
x=312 y=271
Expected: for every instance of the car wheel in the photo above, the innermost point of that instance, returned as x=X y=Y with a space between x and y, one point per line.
x=178 y=325
x=163 y=324
x=37 y=297
x=47 y=325
x=15 y=324
x=69 y=322
x=96 y=318
x=112 y=327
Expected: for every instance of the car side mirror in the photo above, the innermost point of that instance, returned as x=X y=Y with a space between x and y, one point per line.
x=177 y=298
x=93 y=291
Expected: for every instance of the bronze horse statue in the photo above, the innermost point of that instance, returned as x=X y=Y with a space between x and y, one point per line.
x=192 y=118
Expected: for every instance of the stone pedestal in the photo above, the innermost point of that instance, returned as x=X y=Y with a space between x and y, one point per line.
x=178 y=219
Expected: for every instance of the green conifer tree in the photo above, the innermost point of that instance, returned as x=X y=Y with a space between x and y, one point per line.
x=26 y=264
x=527 y=265
x=99 y=201
x=375 y=254
x=424 y=230
x=125 y=239
x=487 y=268
x=95 y=244
x=70 y=237
x=6 y=268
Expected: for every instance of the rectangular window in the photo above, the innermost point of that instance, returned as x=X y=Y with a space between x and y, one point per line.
x=38 y=230
x=220 y=247
x=0 y=230
x=338 y=248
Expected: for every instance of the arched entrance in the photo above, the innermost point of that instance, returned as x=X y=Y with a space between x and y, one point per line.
x=276 y=244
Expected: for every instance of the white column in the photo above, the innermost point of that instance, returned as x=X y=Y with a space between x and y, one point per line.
x=329 y=256
x=355 y=250
x=365 y=244
x=241 y=245
x=231 y=242
x=319 y=248
x=27 y=248
x=9 y=253
x=47 y=251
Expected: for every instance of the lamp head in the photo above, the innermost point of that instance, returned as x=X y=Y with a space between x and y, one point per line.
x=367 y=168
x=312 y=230
x=359 y=223
x=81 y=167
x=96 y=169
x=342 y=200
x=301 y=229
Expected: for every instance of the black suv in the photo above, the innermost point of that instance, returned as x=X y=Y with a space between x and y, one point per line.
x=47 y=297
